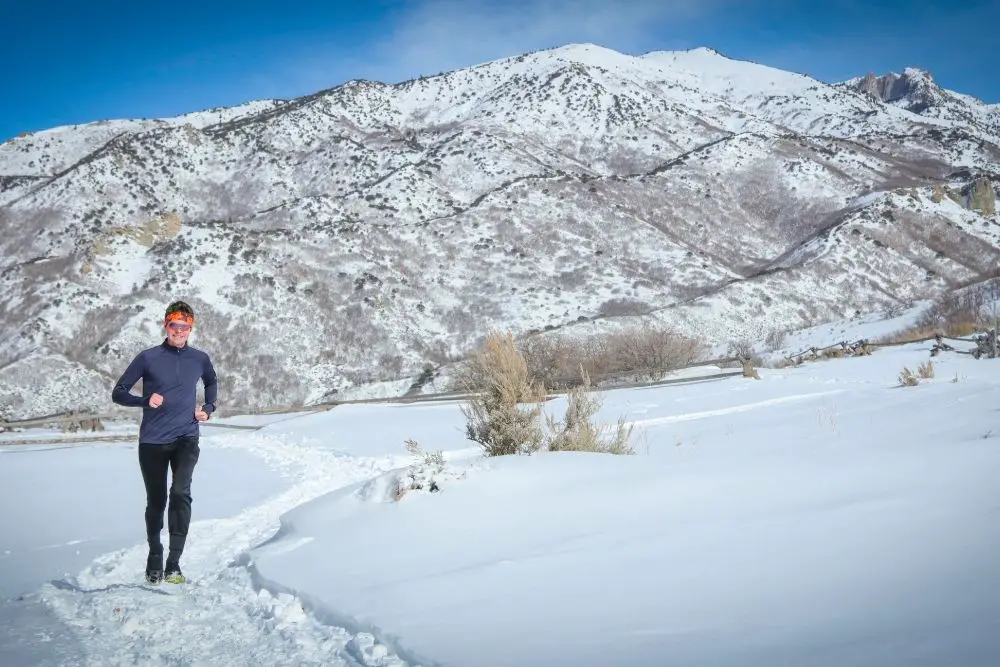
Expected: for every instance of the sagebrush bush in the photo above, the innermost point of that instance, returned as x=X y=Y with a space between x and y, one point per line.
x=420 y=475
x=553 y=358
x=834 y=353
x=577 y=432
x=954 y=310
x=504 y=409
x=644 y=351
x=907 y=378
x=434 y=459
x=750 y=370
x=651 y=351
x=623 y=307
x=775 y=339
x=956 y=314
x=502 y=413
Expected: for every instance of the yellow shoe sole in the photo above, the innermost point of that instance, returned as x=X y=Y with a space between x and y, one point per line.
x=175 y=579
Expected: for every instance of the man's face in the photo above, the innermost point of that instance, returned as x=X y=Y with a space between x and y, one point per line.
x=177 y=332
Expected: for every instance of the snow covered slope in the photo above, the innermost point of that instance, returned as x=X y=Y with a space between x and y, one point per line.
x=365 y=231
x=820 y=516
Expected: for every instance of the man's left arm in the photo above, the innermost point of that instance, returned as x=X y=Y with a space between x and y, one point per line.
x=211 y=382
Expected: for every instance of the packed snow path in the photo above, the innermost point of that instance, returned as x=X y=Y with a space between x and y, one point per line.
x=219 y=612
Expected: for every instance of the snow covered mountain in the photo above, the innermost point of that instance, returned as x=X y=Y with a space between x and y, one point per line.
x=364 y=231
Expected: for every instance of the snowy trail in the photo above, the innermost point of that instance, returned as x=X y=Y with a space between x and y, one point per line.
x=226 y=614
x=218 y=618
x=705 y=414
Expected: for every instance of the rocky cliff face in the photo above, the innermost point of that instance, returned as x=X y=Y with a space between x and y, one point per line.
x=914 y=87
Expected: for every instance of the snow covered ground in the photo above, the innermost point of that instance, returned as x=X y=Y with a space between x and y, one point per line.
x=67 y=504
x=818 y=516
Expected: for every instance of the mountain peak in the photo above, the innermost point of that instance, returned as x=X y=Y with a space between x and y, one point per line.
x=708 y=50
x=576 y=47
x=915 y=73
x=584 y=51
x=694 y=51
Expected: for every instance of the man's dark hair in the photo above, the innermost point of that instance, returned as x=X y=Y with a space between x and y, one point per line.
x=178 y=307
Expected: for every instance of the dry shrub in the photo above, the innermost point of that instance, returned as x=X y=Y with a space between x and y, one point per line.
x=435 y=459
x=644 y=351
x=650 y=351
x=908 y=335
x=962 y=329
x=956 y=314
x=897 y=309
x=953 y=310
x=907 y=378
x=623 y=307
x=741 y=349
x=503 y=413
x=749 y=370
x=919 y=333
x=399 y=489
x=554 y=359
x=497 y=376
x=775 y=339
x=413 y=447
x=420 y=475
x=925 y=371
x=578 y=433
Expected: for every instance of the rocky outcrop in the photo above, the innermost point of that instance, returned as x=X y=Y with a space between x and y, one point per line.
x=980 y=196
x=147 y=234
x=914 y=86
x=939 y=192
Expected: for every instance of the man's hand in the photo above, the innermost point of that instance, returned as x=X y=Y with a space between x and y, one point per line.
x=200 y=414
x=155 y=401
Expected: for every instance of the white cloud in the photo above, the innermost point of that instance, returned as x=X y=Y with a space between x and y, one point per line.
x=445 y=34
x=440 y=35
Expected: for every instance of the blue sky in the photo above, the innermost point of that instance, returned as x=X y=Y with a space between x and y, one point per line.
x=74 y=62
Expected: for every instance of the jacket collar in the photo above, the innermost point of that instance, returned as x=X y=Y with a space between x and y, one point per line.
x=166 y=344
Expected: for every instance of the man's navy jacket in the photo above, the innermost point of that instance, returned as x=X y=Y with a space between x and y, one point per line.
x=173 y=373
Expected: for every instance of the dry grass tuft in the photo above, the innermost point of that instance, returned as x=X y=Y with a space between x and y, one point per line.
x=578 y=432
x=907 y=378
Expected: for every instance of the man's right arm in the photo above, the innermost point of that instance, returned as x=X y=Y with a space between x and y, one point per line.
x=121 y=394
